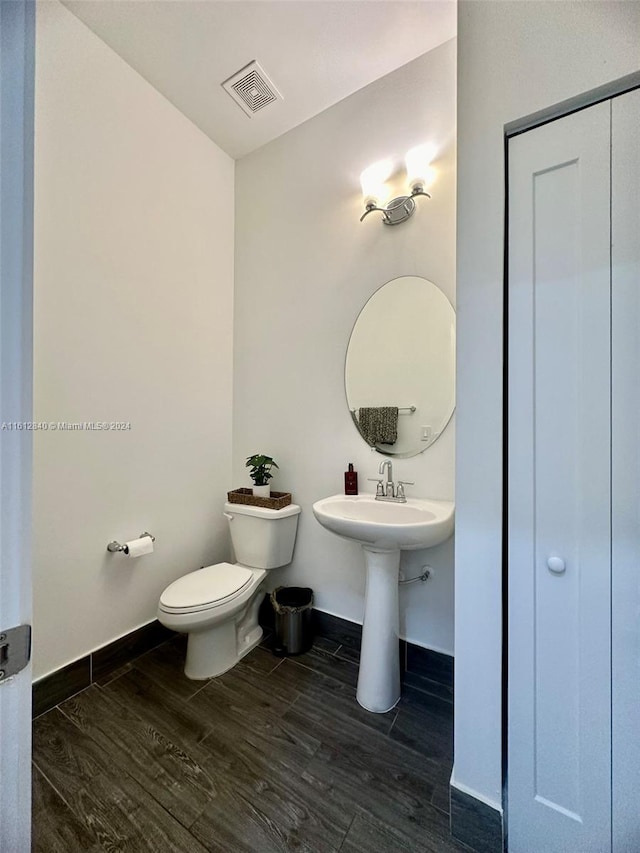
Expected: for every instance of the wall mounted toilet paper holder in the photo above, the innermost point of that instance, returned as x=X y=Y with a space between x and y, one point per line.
x=116 y=546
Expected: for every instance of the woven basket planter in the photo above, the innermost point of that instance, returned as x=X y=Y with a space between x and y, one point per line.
x=278 y=500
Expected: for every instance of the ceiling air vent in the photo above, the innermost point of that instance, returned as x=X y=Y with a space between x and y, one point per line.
x=251 y=89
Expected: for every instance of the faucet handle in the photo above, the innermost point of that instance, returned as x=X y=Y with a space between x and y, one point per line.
x=379 y=489
x=400 y=487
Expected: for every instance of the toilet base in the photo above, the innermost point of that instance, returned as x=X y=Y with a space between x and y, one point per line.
x=218 y=648
x=213 y=652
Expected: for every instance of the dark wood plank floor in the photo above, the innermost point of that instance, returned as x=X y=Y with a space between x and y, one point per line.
x=275 y=755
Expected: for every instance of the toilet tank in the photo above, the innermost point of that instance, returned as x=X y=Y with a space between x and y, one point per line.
x=262 y=538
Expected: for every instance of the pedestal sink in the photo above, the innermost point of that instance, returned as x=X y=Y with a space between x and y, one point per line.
x=384 y=530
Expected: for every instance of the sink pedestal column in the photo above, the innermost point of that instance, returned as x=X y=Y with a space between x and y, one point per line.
x=379 y=675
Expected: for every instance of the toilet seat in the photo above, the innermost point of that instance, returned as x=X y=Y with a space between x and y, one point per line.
x=207 y=588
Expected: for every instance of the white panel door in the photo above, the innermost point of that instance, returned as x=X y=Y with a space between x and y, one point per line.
x=559 y=537
x=625 y=281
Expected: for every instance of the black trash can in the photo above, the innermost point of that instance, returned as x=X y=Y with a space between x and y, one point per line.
x=293 y=608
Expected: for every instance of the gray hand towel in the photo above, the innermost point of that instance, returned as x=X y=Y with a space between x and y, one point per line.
x=379 y=424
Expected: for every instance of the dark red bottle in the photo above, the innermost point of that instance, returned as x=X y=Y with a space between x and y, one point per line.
x=351 y=481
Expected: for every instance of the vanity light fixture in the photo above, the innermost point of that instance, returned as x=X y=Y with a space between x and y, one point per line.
x=375 y=190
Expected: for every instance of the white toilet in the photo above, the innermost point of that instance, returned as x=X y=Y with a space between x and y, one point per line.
x=218 y=606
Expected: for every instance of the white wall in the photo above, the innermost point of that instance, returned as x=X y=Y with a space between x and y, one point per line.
x=514 y=58
x=305 y=266
x=133 y=322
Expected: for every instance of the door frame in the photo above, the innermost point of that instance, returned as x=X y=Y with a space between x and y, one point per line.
x=17 y=65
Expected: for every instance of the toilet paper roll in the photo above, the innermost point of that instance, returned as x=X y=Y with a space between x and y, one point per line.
x=138 y=547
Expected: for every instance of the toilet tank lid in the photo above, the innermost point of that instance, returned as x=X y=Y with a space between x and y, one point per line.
x=260 y=511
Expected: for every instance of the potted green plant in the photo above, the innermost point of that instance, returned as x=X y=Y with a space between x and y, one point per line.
x=260 y=473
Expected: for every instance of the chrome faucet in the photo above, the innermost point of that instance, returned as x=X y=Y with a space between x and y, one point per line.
x=388 y=483
x=390 y=491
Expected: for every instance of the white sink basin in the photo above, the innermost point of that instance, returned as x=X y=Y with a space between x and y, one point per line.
x=418 y=523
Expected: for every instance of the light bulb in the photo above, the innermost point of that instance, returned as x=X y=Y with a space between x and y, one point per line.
x=373 y=180
x=418 y=170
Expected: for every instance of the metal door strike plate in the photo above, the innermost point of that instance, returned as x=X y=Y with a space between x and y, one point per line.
x=15 y=650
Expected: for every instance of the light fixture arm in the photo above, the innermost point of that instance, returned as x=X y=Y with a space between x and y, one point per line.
x=399 y=209
x=417 y=190
x=372 y=208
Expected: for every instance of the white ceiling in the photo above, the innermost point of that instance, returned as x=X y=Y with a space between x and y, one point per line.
x=317 y=52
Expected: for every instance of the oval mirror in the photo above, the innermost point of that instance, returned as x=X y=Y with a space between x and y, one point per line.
x=400 y=367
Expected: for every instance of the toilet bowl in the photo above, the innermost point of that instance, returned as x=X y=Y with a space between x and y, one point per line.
x=217 y=606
